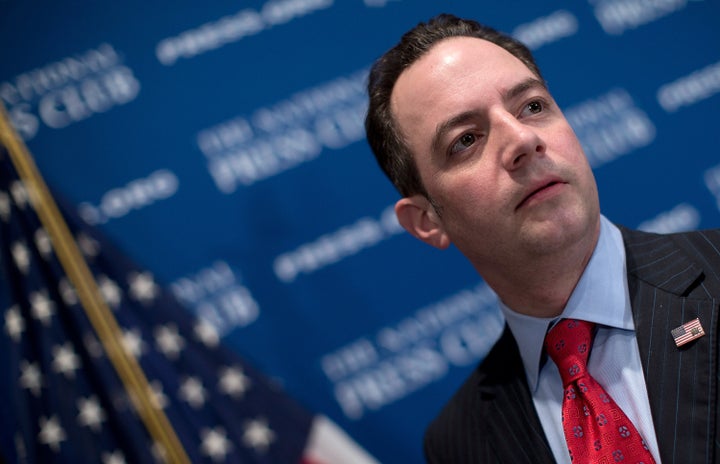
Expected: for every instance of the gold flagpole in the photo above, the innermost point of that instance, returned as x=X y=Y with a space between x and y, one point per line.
x=100 y=316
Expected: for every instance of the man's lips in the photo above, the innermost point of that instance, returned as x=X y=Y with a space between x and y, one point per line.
x=539 y=190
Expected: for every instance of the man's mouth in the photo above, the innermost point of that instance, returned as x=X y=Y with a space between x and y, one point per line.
x=539 y=192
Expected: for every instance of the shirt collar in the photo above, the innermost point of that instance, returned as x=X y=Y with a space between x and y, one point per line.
x=601 y=296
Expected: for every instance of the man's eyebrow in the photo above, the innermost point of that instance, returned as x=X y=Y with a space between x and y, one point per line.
x=459 y=119
x=522 y=87
x=446 y=126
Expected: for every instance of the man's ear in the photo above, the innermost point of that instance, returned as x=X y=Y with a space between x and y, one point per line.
x=419 y=217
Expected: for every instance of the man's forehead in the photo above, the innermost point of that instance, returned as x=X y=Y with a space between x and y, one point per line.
x=453 y=63
x=451 y=50
x=454 y=55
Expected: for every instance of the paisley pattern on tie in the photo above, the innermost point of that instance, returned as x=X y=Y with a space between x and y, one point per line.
x=596 y=429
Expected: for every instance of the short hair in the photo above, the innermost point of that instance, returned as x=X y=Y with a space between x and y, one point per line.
x=383 y=135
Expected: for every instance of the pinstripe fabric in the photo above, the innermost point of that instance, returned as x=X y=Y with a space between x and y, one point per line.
x=672 y=279
x=491 y=418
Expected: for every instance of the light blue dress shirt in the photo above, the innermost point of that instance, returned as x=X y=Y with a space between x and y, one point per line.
x=601 y=296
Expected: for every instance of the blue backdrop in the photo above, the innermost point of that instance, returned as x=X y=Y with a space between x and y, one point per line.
x=222 y=147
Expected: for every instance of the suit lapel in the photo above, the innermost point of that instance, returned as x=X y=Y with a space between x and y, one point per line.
x=511 y=421
x=665 y=292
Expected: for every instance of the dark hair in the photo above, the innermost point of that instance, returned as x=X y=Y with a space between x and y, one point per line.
x=386 y=142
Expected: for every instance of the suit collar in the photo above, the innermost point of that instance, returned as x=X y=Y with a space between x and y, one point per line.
x=658 y=261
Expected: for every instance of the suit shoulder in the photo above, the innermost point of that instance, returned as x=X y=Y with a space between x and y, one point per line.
x=677 y=262
x=459 y=432
x=451 y=431
x=639 y=238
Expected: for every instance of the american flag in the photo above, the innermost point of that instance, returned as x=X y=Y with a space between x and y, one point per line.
x=64 y=401
x=687 y=332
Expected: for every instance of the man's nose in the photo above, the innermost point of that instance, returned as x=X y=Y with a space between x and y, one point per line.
x=518 y=142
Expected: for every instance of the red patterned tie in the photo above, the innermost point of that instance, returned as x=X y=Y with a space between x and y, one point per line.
x=596 y=429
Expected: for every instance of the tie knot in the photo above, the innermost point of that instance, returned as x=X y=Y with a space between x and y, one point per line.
x=568 y=345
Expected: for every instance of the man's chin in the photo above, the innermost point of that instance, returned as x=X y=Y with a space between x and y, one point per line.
x=558 y=233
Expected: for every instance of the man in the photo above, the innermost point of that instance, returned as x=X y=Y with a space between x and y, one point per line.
x=462 y=123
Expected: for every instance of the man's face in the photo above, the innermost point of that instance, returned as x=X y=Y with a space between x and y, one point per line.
x=496 y=155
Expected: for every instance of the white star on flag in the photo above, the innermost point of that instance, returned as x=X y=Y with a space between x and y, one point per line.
x=215 y=443
x=67 y=292
x=157 y=395
x=257 y=434
x=192 y=391
x=110 y=291
x=233 y=382
x=51 y=433
x=93 y=346
x=43 y=243
x=65 y=360
x=88 y=245
x=206 y=333
x=21 y=256
x=158 y=452
x=31 y=377
x=169 y=341
x=116 y=457
x=91 y=413
x=42 y=307
x=19 y=194
x=133 y=343
x=142 y=287
x=14 y=323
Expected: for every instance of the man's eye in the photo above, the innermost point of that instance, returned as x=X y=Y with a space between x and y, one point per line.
x=464 y=142
x=534 y=106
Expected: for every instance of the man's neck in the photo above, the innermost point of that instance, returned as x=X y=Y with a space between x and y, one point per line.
x=542 y=286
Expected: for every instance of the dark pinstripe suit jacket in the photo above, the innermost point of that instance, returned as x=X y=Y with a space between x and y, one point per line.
x=672 y=279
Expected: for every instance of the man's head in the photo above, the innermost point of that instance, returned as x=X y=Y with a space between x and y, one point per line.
x=386 y=142
x=483 y=156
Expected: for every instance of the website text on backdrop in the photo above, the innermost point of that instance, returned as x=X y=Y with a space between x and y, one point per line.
x=461 y=121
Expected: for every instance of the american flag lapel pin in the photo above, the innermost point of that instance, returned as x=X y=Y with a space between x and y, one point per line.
x=687 y=332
